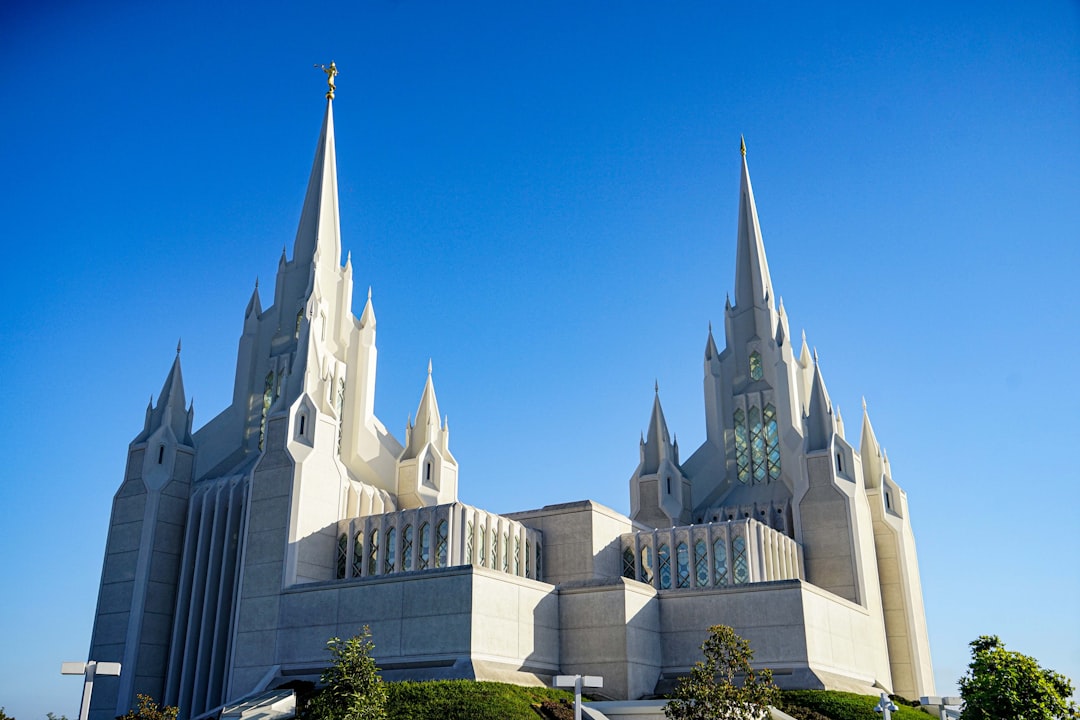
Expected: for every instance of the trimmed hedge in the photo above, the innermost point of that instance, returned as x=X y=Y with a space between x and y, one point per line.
x=467 y=700
x=837 y=705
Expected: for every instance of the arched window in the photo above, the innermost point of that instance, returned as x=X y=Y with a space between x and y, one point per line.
x=517 y=555
x=506 y=552
x=528 y=559
x=757 y=444
x=719 y=558
x=468 y=543
x=425 y=548
x=646 y=564
x=494 y=547
x=701 y=563
x=664 y=556
x=342 y=555
x=628 y=565
x=755 y=365
x=406 y=548
x=482 y=555
x=742 y=447
x=440 y=544
x=390 y=562
x=740 y=567
x=358 y=554
x=373 y=553
x=682 y=565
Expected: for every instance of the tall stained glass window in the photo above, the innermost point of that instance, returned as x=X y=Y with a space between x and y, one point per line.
x=740 y=568
x=629 y=569
x=441 y=554
x=506 y=552
x=482 y=555
x=342 y=555
x=772 y=443
x=494 y=547
x=358 y=554
x=391 y=551
x=469 y=543
x=664 y=557
x=406 y=548
x=755 y=365
x=268 y=397
x=423 y=558
x=373 y=553
x=517 y=555
x=757 y=444
x=742 y=446
x=701 y=563
x=539 y=561
x=719 y=555
x=682 y=565
x=528 y=559
x=646 y=564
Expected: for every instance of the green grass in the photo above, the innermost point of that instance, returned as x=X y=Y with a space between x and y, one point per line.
x=837 y=705
x=466 y=700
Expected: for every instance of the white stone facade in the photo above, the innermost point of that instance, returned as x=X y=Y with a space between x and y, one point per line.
x=234 y=552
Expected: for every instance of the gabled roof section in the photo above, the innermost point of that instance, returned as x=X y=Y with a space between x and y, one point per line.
x=753 y=285
x=319 y=232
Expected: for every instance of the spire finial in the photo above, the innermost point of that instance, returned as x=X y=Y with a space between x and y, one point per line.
x=178 y=346
x=864 y=403
x=368 y=292
x=331 y=72
x=656 y=386
x=742 y=145
x=429 y=367
x=256 y=282
x=815 y=356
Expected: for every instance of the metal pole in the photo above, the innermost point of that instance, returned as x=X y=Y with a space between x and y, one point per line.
x=577 y=698
x=88 y=690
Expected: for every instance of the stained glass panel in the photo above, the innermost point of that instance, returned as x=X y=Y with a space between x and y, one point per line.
x=441 y=556
x=740 y=568
x=719 y=554
x=742 y=449
x=701 y=563
x=424 y=556
x=358 y=554
x=755 y=365
x=391 y=551
x=664 y=556
x=342 y=555
x=406 y=548
x=646 y=564
x=772 y=443
x=468 y=543
x=682 y=565
x=628 y=569
x=757 y=444
x=373 y=553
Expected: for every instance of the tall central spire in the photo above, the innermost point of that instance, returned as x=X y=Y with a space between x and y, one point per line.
x=319 y=231
x=752 y=283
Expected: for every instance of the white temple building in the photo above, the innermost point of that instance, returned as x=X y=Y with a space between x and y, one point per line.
x=236 y=550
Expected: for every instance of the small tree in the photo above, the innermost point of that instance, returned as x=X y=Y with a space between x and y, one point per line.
x=353 y=689
x=148 y=709
x=709 y=692
x=1002 y=683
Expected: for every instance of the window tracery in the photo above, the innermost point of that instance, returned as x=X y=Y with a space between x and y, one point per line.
x=682 y=565
x=755 y=366
x=664 y=557
x=742 y=450
x=424 y=556
x=441 y=555
x=701 y=563
x=406 y=548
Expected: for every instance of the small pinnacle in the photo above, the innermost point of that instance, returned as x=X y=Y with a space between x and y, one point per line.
x=429 y=367
x=864 y=403
x=256 y=282
x=656 y=386
x=368 y=292
x=815 y=356
x=742 y=146
x=178 y=346
x=348 y=258
x=642 y=437
x=804 y=337
x=710 y=327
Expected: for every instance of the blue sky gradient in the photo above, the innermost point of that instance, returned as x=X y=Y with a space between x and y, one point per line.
x=543 y=198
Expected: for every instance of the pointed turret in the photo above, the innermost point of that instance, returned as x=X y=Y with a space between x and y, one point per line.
x=752 y=283
x=254 y=306
x=870 y=450
x=820 y=421
x=367 y=318
x=171 y=407
x=427 y=471
x=710 y=347
x=658 y=445
x=319 y=234
x=426 y=428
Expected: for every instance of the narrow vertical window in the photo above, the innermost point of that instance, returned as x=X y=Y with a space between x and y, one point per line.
x=391 y=555
x=268 y=397
x=358 y=554
x=506 y=553
x=468 y=543
x=772 y=443
x=839 y=462
x=441 y=556
x=646 y=564
x=669 y=486
x=539 y=561
x=425 y=548
x=682 y=565
x=757 y=445
x=427 y=471
x=701 y=563
x=719 y=554
x=629 y=569
x=406 y=548
x=494 y=547
x=740 y=566
x=373 y=553
x=303 y=421
x=482 y=555
x=755 y=365
x=664 y=557
x=528 y=559
x=342 y=555
x=517 y=555
x=161 y=454
x=299 y=319
x=742 y=447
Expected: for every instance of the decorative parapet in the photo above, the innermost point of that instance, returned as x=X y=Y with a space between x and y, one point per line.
x=716 y=554
x=436 y=537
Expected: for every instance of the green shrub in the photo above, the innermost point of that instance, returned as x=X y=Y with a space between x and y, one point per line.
x=466 y=700
x=837 y=705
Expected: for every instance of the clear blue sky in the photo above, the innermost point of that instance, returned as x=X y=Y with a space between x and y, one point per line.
x=543 y=197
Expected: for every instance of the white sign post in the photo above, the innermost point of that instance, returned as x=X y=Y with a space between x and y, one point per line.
x=577 y=682
x=88 y=670
x=886 y=707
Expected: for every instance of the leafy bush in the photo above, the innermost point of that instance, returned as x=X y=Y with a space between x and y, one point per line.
x=837 y=705
x=466 y=700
